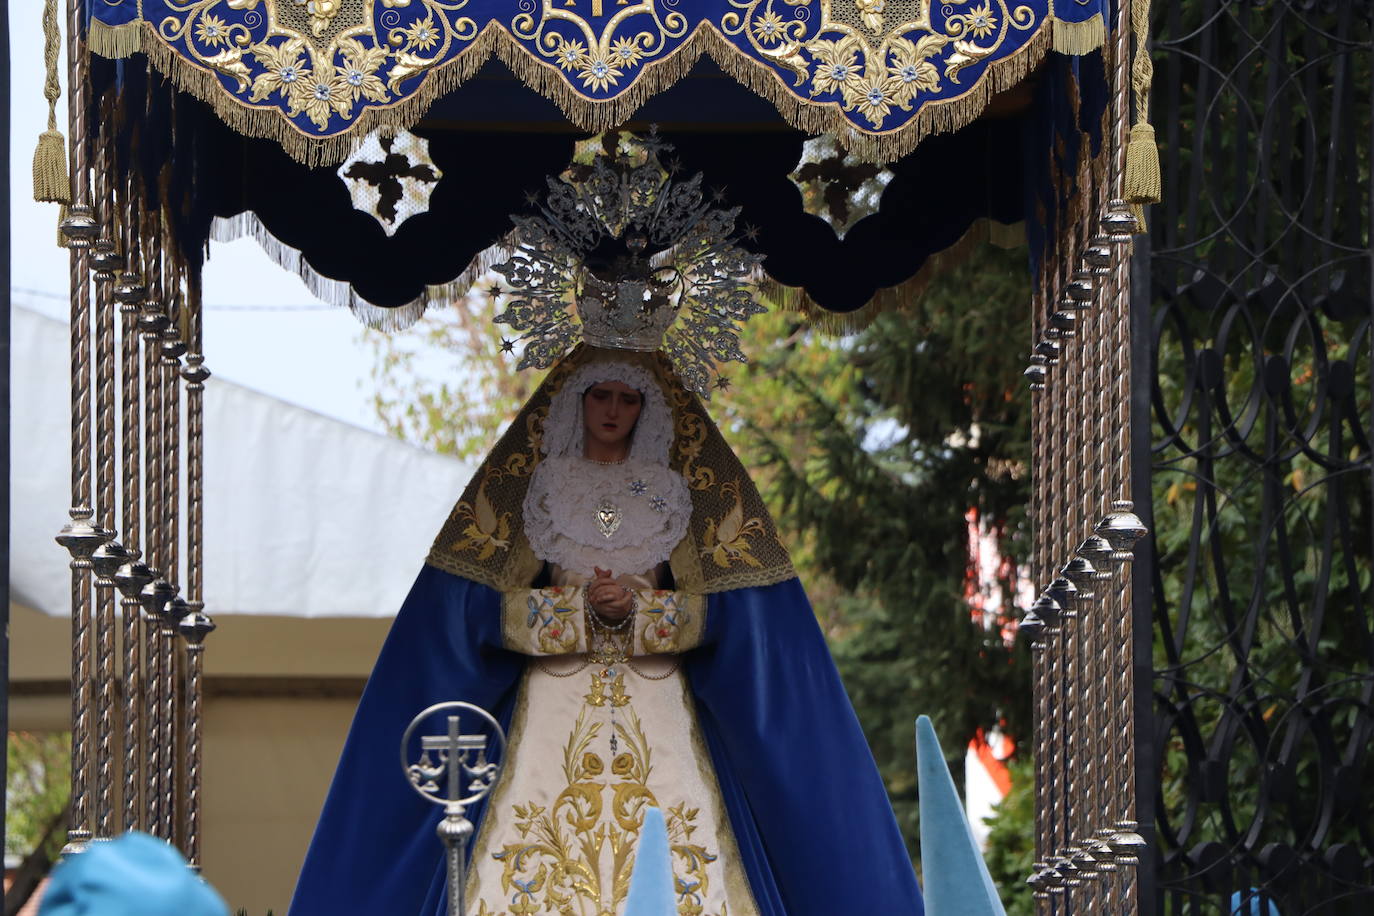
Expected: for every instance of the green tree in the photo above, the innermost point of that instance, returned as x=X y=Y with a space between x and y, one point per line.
x=876 y=472
x=38 y=785
x=1011 y=840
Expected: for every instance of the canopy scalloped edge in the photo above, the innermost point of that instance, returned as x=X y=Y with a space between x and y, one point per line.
x=983 y=231
x=341 y=293
x=788 y=298
x=812 y=116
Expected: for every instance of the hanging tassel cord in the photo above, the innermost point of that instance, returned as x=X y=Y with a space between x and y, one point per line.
x=1143 y=184
x=51 y=181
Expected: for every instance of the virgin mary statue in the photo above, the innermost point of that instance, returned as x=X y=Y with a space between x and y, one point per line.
x=612 y=588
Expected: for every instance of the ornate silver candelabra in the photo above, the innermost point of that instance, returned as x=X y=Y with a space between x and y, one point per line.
x=454 y=770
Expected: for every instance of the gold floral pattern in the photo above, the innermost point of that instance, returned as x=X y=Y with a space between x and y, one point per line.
x=875 y=65
x=485 y=531
x=669 y=623
x=570 y=54
x=834 y=55
x=575 y=855
x=600 y=73
x=212 y=31
x=910 y=67
x=726 y=540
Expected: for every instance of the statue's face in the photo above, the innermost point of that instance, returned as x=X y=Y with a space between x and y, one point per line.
x=610 y=411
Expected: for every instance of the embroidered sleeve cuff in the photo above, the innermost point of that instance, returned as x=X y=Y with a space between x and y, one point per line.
x=544 y=621
x=668 y=622
x=552 y=621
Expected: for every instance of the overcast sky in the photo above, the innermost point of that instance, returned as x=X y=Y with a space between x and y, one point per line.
x=299 y=351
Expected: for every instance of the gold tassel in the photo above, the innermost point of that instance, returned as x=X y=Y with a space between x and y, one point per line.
x=51 y=180
x=1142 y=180
x=1143 y=184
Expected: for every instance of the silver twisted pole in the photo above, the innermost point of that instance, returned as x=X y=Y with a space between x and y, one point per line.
x=197 y=625
x=105 y=260
x=134 y=575
x=158 y=591
x=79 y=536
x=176 y=607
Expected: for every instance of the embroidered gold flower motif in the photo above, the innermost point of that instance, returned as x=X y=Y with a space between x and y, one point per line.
x=592 y=765
x=570 y=54
x=421 y=35
x=727 y=541
x=626 y=52
x=622 y=765
x=322 y=94
x=359 y=71
x=768 y=28
x=599 y=73
x=871 y=11
x=212 y=30
x=910 y=68
x=485 y=532
x=230 y=63
x=321 y=12
x=981 y=21
x=838 y=68
x=285 y=68
x=873 y=97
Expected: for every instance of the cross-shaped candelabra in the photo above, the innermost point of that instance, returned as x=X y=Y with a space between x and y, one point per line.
x=455 y=758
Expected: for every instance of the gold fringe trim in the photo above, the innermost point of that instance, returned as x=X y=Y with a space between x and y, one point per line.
x=1079 y=38
x=893 y=298
x=944 y=116
x=115 y=40
x=341 y=293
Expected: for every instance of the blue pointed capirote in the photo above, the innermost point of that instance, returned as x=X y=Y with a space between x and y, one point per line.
x=651 y=882
x=957 y=882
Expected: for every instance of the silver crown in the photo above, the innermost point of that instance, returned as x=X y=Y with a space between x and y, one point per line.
x=621 y=250
x=628 y=314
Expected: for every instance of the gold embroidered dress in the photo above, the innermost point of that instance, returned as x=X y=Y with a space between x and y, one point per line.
x=604 y=724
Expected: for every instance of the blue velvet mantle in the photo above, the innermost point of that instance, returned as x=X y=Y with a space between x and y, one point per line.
x=809 y=811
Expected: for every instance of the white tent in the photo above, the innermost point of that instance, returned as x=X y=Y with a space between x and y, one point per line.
x=305 y=517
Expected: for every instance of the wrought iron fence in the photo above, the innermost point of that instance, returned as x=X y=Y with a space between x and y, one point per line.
x=1257 y=283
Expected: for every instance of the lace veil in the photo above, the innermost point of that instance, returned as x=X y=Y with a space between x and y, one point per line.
x=563 y=429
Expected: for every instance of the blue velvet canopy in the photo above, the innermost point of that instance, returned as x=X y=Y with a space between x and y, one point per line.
x=205 y=95
x=878 y=74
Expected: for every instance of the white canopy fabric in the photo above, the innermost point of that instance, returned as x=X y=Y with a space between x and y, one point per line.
x=305 y=516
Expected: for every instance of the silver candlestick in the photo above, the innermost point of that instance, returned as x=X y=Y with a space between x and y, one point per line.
x=446 y=763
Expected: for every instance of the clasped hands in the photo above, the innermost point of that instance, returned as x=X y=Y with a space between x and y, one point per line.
x=609 y=598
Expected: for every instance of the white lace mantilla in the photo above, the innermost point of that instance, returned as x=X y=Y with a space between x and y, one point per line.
x=565 y=430
x=624 y=517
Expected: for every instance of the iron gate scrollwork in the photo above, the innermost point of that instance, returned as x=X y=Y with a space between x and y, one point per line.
x=1259 y=298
